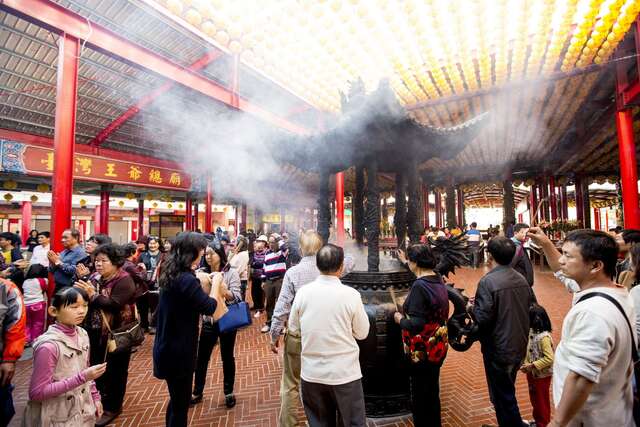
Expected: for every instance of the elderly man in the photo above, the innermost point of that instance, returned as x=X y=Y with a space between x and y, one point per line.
x=63 y=265
x=329 y=317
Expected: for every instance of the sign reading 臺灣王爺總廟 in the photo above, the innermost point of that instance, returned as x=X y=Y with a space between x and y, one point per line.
x=27 y=159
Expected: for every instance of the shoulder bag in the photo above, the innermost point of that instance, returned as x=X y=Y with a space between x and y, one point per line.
x=634 y=351
x=238 y=316
x=125 y=337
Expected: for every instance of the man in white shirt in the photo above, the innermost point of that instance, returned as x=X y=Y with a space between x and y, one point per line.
x=593 y=359
x=330 y=316
x=40 y=252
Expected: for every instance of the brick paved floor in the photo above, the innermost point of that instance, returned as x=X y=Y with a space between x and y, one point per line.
x=465 y=400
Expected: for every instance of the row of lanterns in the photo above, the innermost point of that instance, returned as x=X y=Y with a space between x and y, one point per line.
x=428 y=48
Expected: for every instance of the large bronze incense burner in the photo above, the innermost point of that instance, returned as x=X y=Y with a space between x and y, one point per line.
x=375 y=135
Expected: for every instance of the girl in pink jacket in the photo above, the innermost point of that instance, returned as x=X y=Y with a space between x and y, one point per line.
x=62 y=391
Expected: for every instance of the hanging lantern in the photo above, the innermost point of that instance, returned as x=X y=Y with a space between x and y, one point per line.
x=121 y=203
x=148 y=197
x=10 y=185
x=130 y=196
x=42 y=188
x=34 y=198
x=8 y=197
x=83 y=203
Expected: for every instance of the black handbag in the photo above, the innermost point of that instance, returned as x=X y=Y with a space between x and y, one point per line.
x=125 y=337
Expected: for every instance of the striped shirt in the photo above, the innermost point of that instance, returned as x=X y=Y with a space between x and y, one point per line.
x=297 y=276
x=275 y=265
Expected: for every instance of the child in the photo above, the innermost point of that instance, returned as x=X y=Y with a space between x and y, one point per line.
x=34 y=290
x=538 y=364
x=62 y=391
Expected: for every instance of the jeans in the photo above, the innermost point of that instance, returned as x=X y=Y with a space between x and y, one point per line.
x=475 y=256
x=208 y=338
x=243 y=289
x=425 y=394
x=179 y=398
x=501 y=379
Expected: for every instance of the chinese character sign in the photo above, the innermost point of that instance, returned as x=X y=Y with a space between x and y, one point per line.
x=35 y=160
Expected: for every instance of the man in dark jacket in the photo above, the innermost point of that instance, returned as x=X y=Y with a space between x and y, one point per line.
x=501 y=313
x=521 y=262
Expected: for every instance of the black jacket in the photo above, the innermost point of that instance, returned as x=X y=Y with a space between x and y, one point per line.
x=176 y=342
x=522 y=264
x=501 y=311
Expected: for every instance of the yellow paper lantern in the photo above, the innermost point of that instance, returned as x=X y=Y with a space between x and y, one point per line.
x=209 y=28
x=174 y=6
x=42 y=188
x=148 y=197
x=193 y=17
x=222 y=37
x=8 y=197
x=10 y=185
x=83 y=202
x=130 y=196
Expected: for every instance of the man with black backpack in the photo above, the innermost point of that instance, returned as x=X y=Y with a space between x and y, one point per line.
x=593 y=366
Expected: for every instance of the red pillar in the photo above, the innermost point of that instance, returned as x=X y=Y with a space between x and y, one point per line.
x=533 y=202
x=196 y=216
x=96 y=220
x=188 y=226
x=628 y=169
x=26 y=221
x=425 y=205
x=340 y=208
x=596 y=218
x=104 y=211
x=553 y=202
x=580 y=202
x=208 y=216
x=64 y=137
x=140 y=218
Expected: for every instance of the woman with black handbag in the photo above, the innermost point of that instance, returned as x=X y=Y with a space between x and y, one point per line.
x=181 y=303
x=216 y=260
x=111 y=293
x=424 y=333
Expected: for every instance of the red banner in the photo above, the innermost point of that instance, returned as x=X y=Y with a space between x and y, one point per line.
x=39 y=161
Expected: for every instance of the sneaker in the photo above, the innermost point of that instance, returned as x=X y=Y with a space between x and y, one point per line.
x=265 y=329
x=230 y=400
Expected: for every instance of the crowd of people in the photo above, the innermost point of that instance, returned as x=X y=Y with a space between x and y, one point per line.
x=105 y=297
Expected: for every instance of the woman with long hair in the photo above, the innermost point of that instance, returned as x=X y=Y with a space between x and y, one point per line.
x=215 y=262
x=111 y=292
x=149 y=260
x=239 y=260
x=182 y=301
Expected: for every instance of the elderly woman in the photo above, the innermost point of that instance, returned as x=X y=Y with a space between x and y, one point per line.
x=111 y=293
x=216 y=260
x=425 y=314
x=182 y=300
